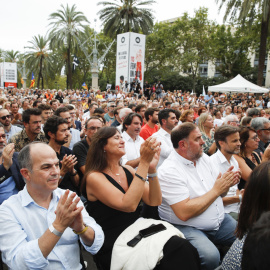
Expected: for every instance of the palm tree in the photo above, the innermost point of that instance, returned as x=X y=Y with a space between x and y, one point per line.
x=121 y=16
x=11 y=56
x=66 y=27
x=250 y=9
x=39 y=58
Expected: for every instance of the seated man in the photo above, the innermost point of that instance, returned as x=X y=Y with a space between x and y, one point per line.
x=131 y=130
x=36 y=224
x=191 y=196
x=228 y=143
x=57 y=132
x=11 y=181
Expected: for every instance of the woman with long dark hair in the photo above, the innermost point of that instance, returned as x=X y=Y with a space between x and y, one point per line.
x=114 y=193
x=247 y=159
x=256 y=200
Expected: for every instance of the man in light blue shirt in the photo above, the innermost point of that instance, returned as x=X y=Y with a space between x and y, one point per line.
x=41 y=225
x=208 y=98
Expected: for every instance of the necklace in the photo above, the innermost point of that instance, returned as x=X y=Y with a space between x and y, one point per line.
x=117 y=174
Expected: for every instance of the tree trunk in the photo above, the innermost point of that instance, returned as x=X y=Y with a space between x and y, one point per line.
x=262 y=51
x=69 y=71
x=40 y=72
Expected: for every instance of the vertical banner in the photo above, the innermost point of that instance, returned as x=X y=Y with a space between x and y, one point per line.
x=137 y=53
x=8 y=73
x=129 y=59
x=122 y=59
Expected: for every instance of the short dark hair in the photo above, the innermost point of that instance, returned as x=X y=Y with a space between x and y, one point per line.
x=35 y=103
x=115 y=111
x=181 y=132
x=27 y=113
x=164 y=114
x=61 y=110
x=92 y=105
x=52 y=125
x=139 y=107
x=52 y=101
x=44 y=107
x=128 y=120
x=150 y=111
x=130 y=106
x=94 y=117
x=223 y=132
x=99 y=111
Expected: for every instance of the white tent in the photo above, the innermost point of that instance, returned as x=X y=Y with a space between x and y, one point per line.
x=238 y=84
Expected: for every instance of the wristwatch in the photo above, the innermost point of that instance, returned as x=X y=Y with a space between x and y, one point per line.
x=54 y=231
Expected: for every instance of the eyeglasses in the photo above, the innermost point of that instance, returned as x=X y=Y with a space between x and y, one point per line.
x=112 y=106
x=5 y=117
x=3 y=136
x=268 y=129
x=255 y=138
x=93 y=128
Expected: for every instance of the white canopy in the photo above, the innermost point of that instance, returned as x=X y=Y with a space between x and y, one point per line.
x=238 y=84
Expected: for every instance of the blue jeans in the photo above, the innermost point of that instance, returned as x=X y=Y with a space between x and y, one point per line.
x=205 y=241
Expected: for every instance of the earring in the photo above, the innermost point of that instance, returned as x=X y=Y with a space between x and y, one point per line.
x=104 y=151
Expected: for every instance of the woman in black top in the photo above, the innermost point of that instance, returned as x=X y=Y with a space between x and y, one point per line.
x=247 y=159
x=114 y=191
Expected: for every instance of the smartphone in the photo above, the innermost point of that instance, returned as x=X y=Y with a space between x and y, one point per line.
x=152 y=230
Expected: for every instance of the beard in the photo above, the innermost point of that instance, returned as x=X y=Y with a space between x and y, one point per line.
x=62 y=142
x=233 y=152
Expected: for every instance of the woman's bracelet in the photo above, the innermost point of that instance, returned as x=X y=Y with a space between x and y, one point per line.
x=152 y=175
x=143 y=179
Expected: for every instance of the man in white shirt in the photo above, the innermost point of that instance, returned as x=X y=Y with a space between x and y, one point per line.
x=90 y=112
x=191 y=195
x=228 y=143
x=122 y=115
x=132 y=127
x=41 y=225
x=168 y=121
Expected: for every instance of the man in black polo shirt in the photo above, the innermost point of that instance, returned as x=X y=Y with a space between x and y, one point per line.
x=57 y=132
x=80 y=149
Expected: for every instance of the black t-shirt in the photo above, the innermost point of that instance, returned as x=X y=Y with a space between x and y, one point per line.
x=66 y=183
x=80 y=150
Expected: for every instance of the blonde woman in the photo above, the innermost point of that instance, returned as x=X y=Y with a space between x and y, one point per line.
x=206 y=125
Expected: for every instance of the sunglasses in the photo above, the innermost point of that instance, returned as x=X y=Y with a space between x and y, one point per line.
x=5 y=117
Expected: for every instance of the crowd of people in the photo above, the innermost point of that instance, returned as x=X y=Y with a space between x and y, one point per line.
x=99 y=167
